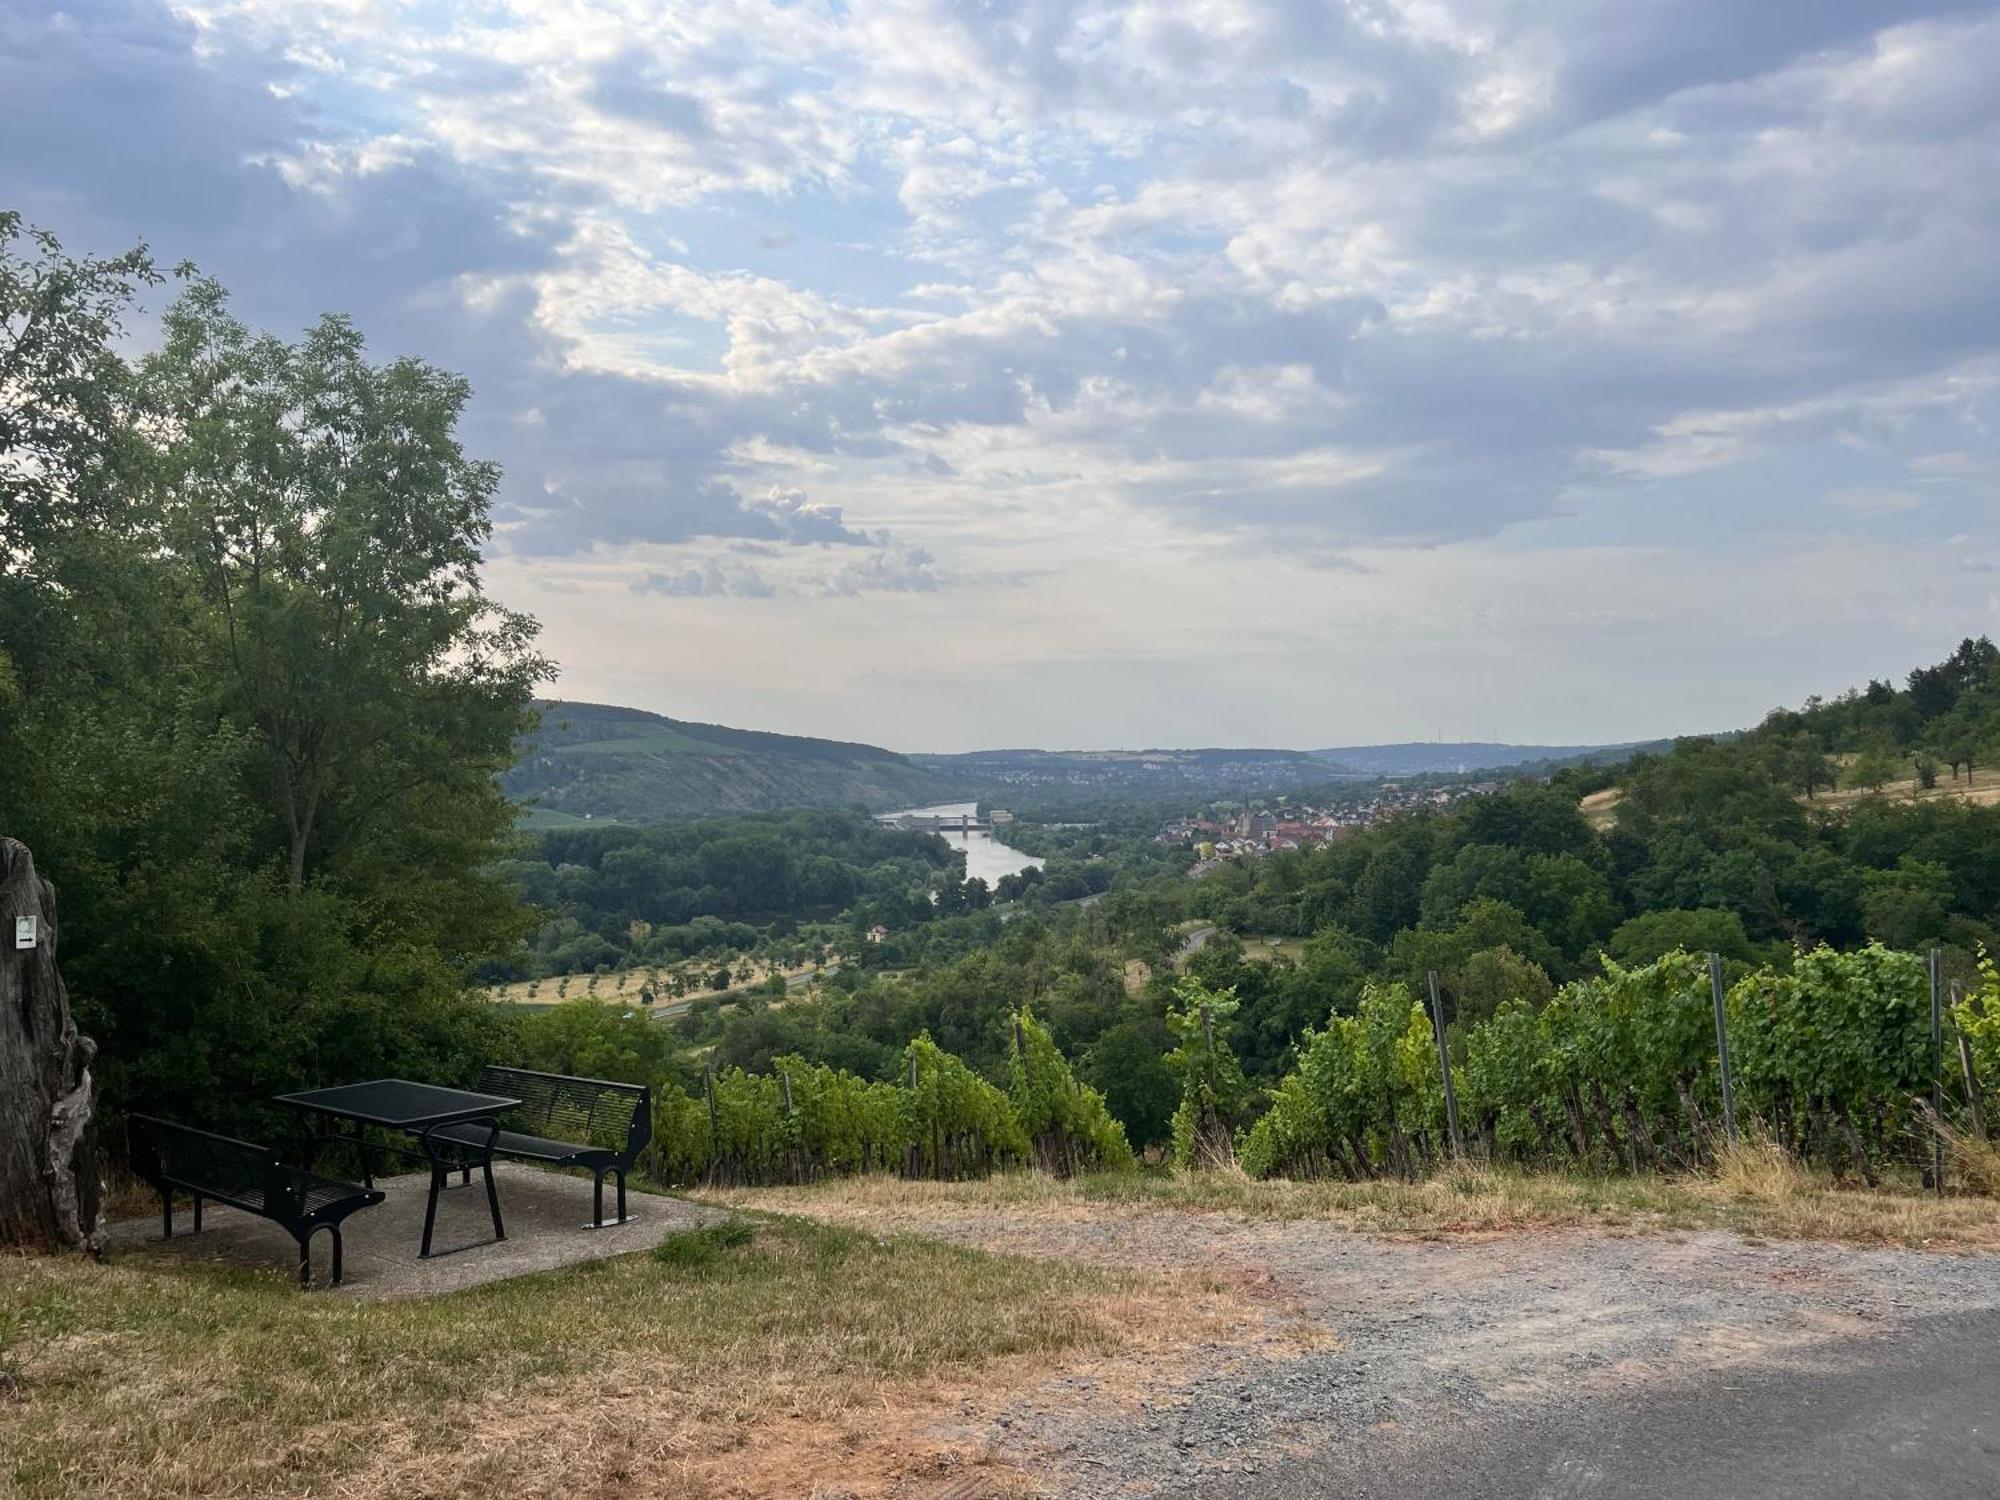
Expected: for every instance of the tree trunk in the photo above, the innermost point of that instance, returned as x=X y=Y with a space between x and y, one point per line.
x=48 y=1157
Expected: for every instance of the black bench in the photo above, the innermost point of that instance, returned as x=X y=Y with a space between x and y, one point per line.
x=177 y=1157
x=566 y=1122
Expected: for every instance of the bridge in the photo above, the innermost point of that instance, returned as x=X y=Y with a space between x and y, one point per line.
x=932 y=823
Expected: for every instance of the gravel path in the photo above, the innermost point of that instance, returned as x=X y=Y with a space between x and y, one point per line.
x=1421 y=1337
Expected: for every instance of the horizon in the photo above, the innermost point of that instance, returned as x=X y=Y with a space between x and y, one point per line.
x=1114 y=377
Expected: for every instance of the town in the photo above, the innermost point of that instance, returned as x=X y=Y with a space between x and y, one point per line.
x=1222 y=834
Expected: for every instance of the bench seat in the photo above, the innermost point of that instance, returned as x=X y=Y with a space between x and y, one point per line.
x=563 y=1121
x=245 y=1176
x=527 y=1147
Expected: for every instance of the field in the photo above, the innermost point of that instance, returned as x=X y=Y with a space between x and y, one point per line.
x=623 y=987
x=1271 y=949
x=1981 y=789
x=713 y=1368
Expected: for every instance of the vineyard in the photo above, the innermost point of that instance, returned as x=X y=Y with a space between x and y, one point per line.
x=940 y=1119
x=1832 y=1060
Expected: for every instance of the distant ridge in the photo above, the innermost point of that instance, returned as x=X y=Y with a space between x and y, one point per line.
x=1420 y=758
x=592 y=761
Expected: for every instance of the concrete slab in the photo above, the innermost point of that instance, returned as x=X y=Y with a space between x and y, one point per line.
x=545 y=1214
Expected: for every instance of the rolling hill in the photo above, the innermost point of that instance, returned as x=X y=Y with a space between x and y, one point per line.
x=1139 y=773
x=1421 y=758
x=592 y=760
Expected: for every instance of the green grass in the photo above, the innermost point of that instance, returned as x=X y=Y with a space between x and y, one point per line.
x=541 y=819
x=148 y=1376
x=708 y=1248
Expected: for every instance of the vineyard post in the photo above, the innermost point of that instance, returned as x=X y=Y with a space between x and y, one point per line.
x=708 y=1088
x=1722 y=1046
x=1936 y=969
x=1444 y=1066
x=1974 y=1110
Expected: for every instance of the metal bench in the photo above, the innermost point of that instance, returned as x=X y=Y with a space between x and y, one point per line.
x=248 y=1177
x=566 y=1122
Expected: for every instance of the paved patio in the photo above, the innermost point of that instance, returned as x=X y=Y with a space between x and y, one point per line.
x=545 y=1213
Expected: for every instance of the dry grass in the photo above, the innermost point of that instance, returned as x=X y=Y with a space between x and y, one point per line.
x=805 y=1356
x=1981 y=788
x=1755 y=1190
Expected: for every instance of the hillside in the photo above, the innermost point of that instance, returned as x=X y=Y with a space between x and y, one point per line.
x=1059 y=773
x=1448 y=758
x=597 y=761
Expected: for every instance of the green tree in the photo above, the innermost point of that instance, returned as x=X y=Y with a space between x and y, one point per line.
x=333 y=525
x=258 y=695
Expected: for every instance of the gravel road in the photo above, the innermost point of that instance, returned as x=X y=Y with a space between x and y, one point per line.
x=1554 y=1363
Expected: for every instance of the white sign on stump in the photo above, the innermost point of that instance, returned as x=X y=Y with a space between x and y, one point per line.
x=24 y=932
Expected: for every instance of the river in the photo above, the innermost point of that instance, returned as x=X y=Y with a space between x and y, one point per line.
x=985 y=856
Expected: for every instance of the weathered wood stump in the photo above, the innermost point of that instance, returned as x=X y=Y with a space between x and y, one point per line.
x=49 y=1187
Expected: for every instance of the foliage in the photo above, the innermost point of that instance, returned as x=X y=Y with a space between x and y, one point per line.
x=1621 y=1068
x=1066 y=1122
x=256 y=696
x=1213 y=1089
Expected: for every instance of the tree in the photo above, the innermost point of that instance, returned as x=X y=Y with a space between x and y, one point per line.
x=1127 y=1064
x=254 y=696
x=334 y=526
x=48 y=1172
x=1652 y=935
x=1875 y=765
x=1810 y=769
x=1491 y=977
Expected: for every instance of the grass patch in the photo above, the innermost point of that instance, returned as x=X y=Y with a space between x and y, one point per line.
x=1753 y=1191
x=148 y=1377
x=704 y=1248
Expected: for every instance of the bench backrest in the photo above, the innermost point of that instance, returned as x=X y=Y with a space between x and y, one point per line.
x=216 y=1166
x=584 y=1111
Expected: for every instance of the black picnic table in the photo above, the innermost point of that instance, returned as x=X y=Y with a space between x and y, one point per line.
x=417 y=1109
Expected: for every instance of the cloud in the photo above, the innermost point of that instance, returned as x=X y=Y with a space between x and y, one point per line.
x=902 y=570
x=1875 y=502
x=712 y=581
x=922 y=296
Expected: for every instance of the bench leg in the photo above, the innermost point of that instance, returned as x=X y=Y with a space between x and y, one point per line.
x=336 y=1255
x=597 y=1219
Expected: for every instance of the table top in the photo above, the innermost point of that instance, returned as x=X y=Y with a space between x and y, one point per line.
x=398 y=1103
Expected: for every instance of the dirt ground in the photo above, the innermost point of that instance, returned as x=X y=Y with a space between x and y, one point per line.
x=1362 y=1337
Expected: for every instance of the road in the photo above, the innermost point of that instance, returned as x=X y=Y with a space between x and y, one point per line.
x=1679 y=1364
x=1192 y=944
x=1913 y=1413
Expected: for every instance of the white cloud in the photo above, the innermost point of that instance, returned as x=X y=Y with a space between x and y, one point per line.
x=1112 y=298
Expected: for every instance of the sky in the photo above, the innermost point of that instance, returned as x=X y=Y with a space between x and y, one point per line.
x=1190 y=372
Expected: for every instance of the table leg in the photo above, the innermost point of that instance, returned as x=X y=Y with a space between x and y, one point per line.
x=431 y=1210
x=493 y=1197
x=442 y=1167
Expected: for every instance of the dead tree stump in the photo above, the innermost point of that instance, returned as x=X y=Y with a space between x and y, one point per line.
x=49 y=1186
